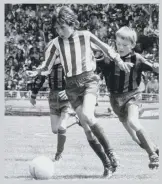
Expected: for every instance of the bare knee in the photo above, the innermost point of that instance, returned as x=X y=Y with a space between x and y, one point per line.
x=89 y=135
x=89 y=119
x=62 y=127
x=134 y=123
x=54 y=131
x=62 y=131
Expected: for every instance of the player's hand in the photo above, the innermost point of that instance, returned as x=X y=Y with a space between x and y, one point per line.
x=155 y=67
x=31 y=73
x=62 y=95
x=125 y=66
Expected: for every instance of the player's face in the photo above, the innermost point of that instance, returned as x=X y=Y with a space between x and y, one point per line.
x=124 y=47
x=64 y=30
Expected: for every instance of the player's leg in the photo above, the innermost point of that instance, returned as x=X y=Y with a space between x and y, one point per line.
x=94 y=143
x=142 y=135
x=54 y=123
x=87 y=115
x=61 y=136
x=76 y=90
x=133 y=134
x=55 y=116
x=98 y=149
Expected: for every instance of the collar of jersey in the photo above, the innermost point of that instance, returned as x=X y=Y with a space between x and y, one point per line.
x=128 y=55
x=72 y=35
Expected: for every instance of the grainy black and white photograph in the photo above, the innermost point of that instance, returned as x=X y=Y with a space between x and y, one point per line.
x=81 y=92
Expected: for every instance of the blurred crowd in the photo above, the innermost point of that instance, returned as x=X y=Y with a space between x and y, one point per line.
x=28 y=29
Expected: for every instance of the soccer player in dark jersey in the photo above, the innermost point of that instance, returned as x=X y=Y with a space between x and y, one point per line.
x=124 y=93
x=75 y=52
x=60 y=107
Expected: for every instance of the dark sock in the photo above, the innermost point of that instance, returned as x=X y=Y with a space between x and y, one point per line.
x=95 y=145
x=61 y=140
x=145 y=141
x=156 y=150
x=99 y=133
x=141 y=145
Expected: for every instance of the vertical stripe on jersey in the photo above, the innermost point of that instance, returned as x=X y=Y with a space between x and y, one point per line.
x=73 y=55
x=117 y=70
x=49 y=58
x=83 y=52
x=78 y=54
x=127 y=75
x=121 y=81
x=62 y=47
x=130 y=86
x=68 y=56
x=131 y=77
x=55 y=80
x=112 y=78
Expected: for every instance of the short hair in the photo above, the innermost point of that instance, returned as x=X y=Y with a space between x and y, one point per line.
x=127 y=33
x=65 y=15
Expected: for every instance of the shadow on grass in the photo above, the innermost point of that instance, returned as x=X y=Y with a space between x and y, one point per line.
x=74 y=176
x=79 y=176
x=139 y=177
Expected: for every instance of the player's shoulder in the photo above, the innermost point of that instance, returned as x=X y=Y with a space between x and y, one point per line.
x=142 y=60
x=83 y=32
x=139 y=57
x=50 y=43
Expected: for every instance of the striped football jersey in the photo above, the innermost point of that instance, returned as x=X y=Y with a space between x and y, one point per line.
x=75 y=53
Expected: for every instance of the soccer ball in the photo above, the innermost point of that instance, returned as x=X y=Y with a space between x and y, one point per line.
x=41 y=168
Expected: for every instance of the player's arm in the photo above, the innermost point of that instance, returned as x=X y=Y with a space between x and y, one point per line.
x=145 y=65
x=37 y=84
x=51 y=54
x=109 y=52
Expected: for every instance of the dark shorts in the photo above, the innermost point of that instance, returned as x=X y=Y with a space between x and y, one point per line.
x=121 y=102
x=56 y=105
x=78 y=86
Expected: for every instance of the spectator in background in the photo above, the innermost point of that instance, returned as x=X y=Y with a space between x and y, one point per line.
x=29 y=12
x=26 y=28
x=7 y=37
x=142 y=86
x=102 y=30
x=20 y=57
x=16 y=37
x=153 y=85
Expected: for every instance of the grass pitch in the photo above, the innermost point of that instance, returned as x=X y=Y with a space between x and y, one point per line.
x=28 y=137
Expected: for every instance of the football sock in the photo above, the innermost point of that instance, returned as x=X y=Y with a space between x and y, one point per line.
x=156 y=150
x=95 y=145
x=61 y=138
x=146 y=143
x=99 y=133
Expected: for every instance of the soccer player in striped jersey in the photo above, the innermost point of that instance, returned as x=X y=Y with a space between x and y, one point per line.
x=124 y=93
x=75 y=52
x=60 y=107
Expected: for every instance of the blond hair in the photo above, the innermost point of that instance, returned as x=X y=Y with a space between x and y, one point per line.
x=66 y=15
x=127 y=33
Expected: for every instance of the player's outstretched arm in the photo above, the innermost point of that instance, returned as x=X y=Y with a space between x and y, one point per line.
x=107 y=50
x=50 y=55
x=145 y=65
